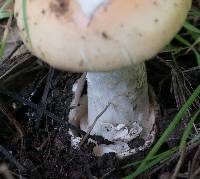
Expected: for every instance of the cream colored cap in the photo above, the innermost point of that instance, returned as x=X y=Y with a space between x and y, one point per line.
x=115 y=34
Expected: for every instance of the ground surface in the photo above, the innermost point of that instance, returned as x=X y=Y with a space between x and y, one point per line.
x=34 y=104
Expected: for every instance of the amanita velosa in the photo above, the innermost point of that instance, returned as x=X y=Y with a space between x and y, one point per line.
x=110 y=40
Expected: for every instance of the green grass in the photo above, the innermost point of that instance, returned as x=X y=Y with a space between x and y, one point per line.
x=187 y=130
x=194 y=13
x=145 y=163
x=194 y=33
x=3 y=15
x=158 y=158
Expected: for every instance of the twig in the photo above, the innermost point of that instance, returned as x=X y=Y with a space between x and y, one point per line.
x=93 y=124
x=11 y=158
x=195 y=160
x=44 y=96
x=80 y=86
x=5 y=172
x=12 y=119
x=19 y=44
x=24 y=58
x=197 y=172
x=34 y=106
x=174 y=157
x=179 y=164
x=107 y=174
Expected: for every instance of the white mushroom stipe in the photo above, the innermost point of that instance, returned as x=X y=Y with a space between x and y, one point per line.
x=109 y=39
x=127 y=91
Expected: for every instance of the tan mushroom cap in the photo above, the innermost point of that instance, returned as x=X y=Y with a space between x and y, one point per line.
x=120 y=33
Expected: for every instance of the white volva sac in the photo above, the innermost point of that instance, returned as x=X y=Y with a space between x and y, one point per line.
x=110 y=40
x=129 y=114
x=123 y=95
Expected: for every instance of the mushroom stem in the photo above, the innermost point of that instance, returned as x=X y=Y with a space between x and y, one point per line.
x=127 y=91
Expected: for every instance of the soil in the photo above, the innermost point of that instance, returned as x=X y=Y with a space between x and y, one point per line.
x=35 y=102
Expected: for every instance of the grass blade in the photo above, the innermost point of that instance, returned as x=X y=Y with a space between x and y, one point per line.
x=166 y=133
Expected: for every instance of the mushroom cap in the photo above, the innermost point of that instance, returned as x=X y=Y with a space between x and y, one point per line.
x=117 y=34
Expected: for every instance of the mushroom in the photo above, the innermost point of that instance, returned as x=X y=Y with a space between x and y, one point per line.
x=109 y=39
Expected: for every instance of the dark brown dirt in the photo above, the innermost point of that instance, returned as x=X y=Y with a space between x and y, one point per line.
x=41 y=106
